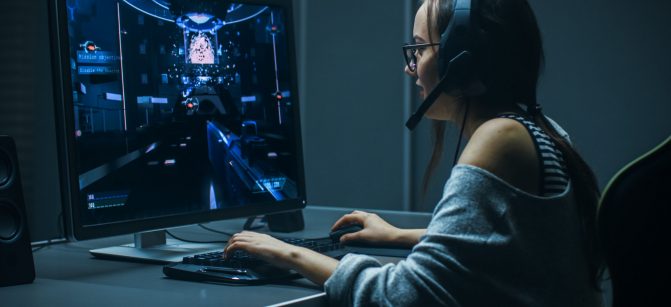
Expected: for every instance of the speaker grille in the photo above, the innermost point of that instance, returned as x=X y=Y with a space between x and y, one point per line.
x=10 y=221
x=6 y=169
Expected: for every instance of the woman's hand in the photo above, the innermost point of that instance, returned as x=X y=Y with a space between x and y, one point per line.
x=264 y=247
x=376 y=230
x=312 y=265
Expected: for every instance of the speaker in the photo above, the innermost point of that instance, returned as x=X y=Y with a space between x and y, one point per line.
x=16 y=257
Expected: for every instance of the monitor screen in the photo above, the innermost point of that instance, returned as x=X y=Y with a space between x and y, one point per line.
x=174 y=112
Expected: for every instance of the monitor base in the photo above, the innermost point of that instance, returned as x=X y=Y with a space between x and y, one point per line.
x=161 y=250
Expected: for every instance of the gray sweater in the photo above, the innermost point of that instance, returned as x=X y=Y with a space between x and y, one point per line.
x=488 y=244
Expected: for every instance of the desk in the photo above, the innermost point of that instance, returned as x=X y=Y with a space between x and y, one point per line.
x=67 y=275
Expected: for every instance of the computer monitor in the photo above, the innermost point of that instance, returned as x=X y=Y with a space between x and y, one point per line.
x=174 y=112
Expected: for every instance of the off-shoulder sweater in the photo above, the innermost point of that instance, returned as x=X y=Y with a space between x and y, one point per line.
x=488 y=244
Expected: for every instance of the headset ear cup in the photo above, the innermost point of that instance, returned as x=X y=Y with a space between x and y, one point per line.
x=469 y=82
x=456 y=61
x=462 y=70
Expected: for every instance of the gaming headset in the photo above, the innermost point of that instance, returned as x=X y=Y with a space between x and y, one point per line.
x=455 y=60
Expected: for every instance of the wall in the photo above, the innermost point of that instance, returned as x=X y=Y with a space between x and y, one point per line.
x=27 y=110
x=607 y=76
x=353 y=98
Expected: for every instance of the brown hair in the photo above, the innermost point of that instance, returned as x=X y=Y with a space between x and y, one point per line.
x=441 y=12
x=509 y=57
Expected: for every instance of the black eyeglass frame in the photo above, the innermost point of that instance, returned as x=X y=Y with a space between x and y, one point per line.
x=409 y=51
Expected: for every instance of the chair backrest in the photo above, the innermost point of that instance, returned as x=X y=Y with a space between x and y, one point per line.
x=634 y=221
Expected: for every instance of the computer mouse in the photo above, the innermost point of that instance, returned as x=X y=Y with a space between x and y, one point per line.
x=339 y=232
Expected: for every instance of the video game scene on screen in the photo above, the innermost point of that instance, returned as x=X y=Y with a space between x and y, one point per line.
x=180 y=107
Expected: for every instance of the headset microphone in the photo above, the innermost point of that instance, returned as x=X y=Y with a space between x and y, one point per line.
x=456 y=69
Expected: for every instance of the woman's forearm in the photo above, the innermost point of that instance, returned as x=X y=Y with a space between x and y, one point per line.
x=318 y=268
x=312 y=265
x=409 y=237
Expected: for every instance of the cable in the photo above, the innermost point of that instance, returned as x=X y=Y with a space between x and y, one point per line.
x=49 y=242
x=215 y=231
x=249 y=224
x=461 y=134
x=192 y=241
x=59 y=239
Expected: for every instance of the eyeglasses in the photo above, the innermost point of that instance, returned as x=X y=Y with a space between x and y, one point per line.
x=410 y=53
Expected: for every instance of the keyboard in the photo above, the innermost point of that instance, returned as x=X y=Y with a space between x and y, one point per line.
x=243 y=268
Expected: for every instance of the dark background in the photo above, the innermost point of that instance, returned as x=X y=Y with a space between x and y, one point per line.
x=606 y=82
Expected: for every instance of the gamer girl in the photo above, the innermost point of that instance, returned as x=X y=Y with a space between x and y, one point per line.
x=516 y=222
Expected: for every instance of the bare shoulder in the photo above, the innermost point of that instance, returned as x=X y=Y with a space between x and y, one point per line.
x=504 y=147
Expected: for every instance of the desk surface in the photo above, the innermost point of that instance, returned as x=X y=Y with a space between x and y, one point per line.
x=68 y=274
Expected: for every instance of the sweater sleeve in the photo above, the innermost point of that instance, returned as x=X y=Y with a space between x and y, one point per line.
x=439 y=270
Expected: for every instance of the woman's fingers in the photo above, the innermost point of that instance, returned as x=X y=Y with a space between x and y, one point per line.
x=231 y=247
x=356 y=217
x=354 y=236
x=240 y=241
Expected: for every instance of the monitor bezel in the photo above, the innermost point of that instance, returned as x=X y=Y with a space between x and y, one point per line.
x=64 y=111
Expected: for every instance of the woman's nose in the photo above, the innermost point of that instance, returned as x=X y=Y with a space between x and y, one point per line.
x=407 y=71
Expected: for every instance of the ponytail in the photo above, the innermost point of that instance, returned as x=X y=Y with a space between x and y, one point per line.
x=586 y=193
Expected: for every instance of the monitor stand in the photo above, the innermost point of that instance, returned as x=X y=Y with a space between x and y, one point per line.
x=153 y=247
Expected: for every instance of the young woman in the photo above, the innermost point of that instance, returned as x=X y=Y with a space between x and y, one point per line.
x=516 y=223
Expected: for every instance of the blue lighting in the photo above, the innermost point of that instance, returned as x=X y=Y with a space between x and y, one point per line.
x=160 y=9
x=157 y=11
x=222 y=137
x=150 y=148
x=196 y=23
x=162 y=4
x=199 y=18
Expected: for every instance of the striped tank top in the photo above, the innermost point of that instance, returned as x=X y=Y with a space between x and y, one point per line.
x=554 y=175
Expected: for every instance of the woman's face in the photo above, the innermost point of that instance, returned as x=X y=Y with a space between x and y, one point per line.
x=426 y=71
